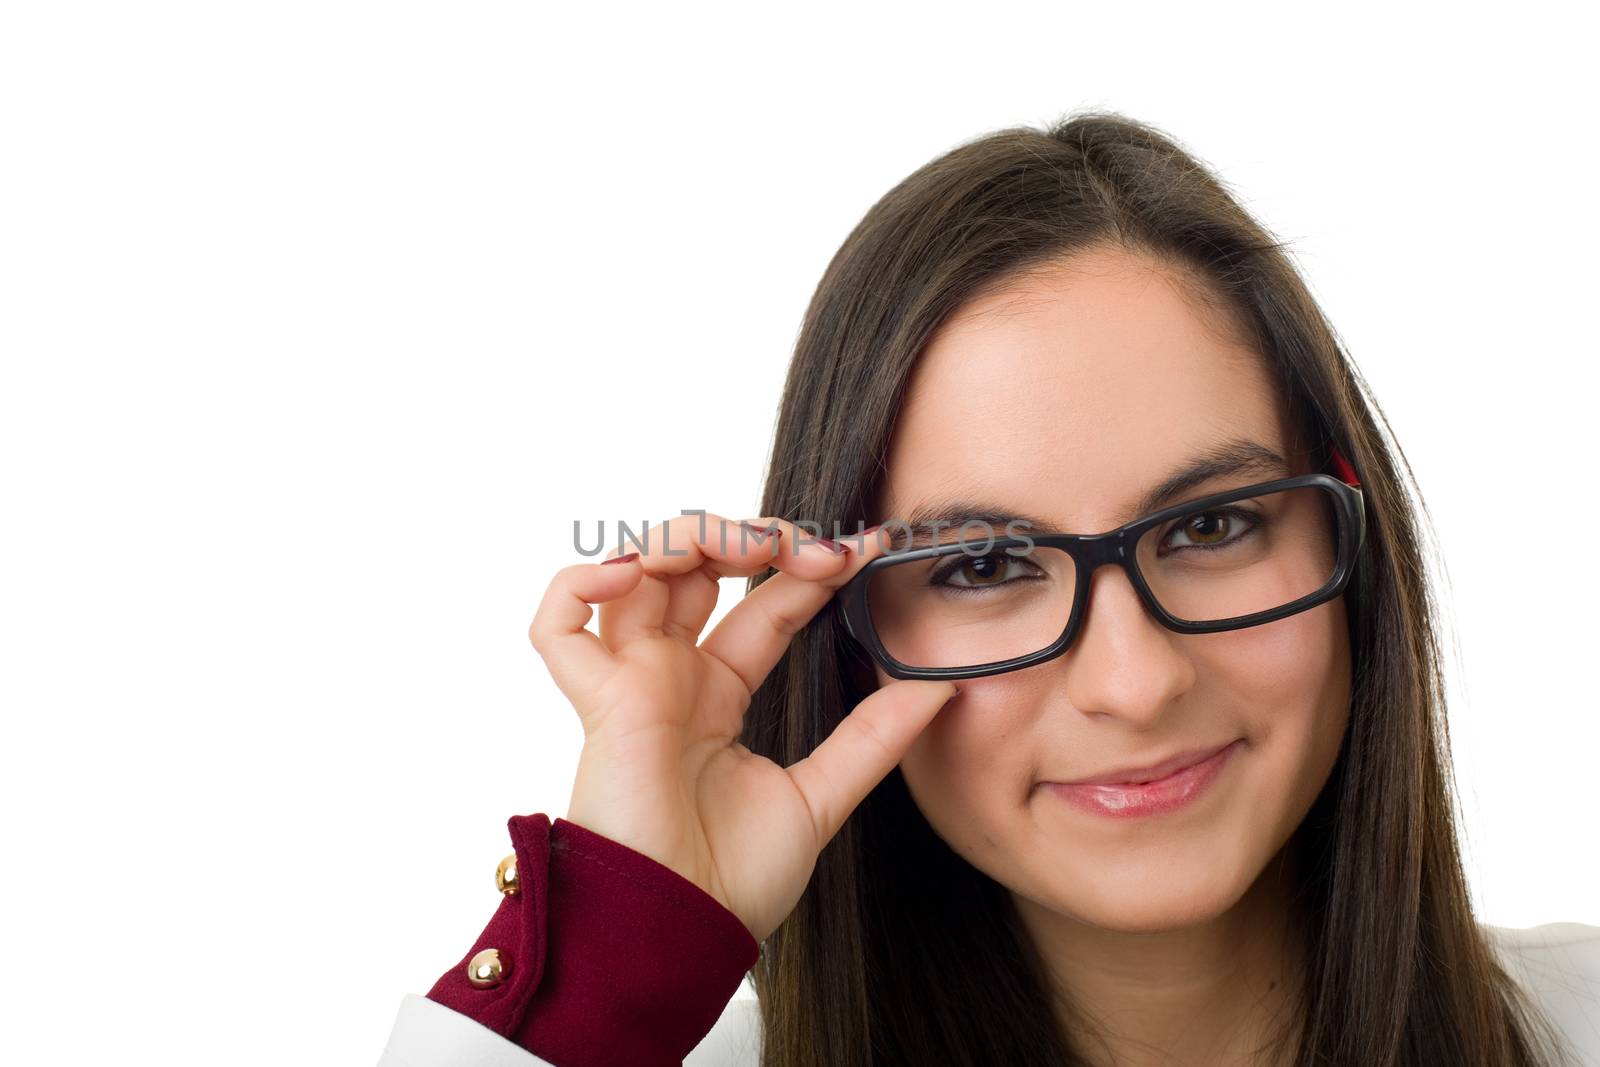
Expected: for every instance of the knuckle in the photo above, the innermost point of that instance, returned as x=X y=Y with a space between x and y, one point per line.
x=680 y=631
x=817 y=804
x=868 y=732
x=779 y=619
x=683 y=533
x=540 y=642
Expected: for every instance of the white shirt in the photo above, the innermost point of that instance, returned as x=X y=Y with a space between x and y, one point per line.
x=1557 y=963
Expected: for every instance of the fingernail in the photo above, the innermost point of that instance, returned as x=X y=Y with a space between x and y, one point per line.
x=620 y=559
x=832 y=546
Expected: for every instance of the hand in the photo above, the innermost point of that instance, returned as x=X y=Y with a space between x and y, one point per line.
x=662 y=770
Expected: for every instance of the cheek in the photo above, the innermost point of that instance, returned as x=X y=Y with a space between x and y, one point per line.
x=969 y=770
x=1291 y=683
x=1287 y=689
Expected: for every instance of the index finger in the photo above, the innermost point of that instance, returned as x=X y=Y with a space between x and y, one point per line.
x=685 y=558
x=755 y=634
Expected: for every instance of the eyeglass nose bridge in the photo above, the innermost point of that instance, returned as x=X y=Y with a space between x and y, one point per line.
x=1092 y=551
x=1089 y=553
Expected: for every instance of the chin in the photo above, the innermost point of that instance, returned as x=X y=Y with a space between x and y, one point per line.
x=1155 y=911
x=1151 y=892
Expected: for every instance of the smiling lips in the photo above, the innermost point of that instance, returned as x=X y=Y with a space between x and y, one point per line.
x=1163 y=787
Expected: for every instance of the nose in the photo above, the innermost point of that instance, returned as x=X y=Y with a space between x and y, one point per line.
x=1122 y=663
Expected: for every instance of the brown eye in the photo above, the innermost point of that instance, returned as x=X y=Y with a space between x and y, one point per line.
x=1211 y=530
x=1207 y=528
x=982 y=570
x=976 y=572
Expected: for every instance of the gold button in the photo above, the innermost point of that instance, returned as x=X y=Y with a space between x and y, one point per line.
x=487 y=970
x=505 y=877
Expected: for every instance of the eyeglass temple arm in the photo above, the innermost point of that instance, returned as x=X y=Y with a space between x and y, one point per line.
x=1343 y=469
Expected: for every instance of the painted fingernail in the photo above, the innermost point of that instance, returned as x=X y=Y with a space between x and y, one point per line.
x=620 y=559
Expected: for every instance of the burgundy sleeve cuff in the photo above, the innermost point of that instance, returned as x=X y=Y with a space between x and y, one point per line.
x=607 y=957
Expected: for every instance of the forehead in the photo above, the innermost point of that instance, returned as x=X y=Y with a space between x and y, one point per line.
x=1068 y=394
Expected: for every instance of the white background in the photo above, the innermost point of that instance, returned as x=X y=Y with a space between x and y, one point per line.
x=322 y=322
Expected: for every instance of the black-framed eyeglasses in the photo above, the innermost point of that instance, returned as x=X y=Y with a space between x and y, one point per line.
x=973 y=606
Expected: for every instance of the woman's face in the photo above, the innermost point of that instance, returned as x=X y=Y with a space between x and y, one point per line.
x=1068 y=397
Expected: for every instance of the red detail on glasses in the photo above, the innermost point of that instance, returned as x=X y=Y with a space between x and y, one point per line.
x=1343 y=469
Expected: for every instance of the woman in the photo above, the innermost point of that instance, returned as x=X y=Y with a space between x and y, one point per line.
x=1118 y=838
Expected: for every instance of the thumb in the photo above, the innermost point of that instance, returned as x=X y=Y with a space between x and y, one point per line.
x=865 y=746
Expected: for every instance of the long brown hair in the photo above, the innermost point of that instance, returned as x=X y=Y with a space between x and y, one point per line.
x=901 y=952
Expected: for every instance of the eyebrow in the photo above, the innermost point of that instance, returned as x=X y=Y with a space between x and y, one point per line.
x=1234 y=457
